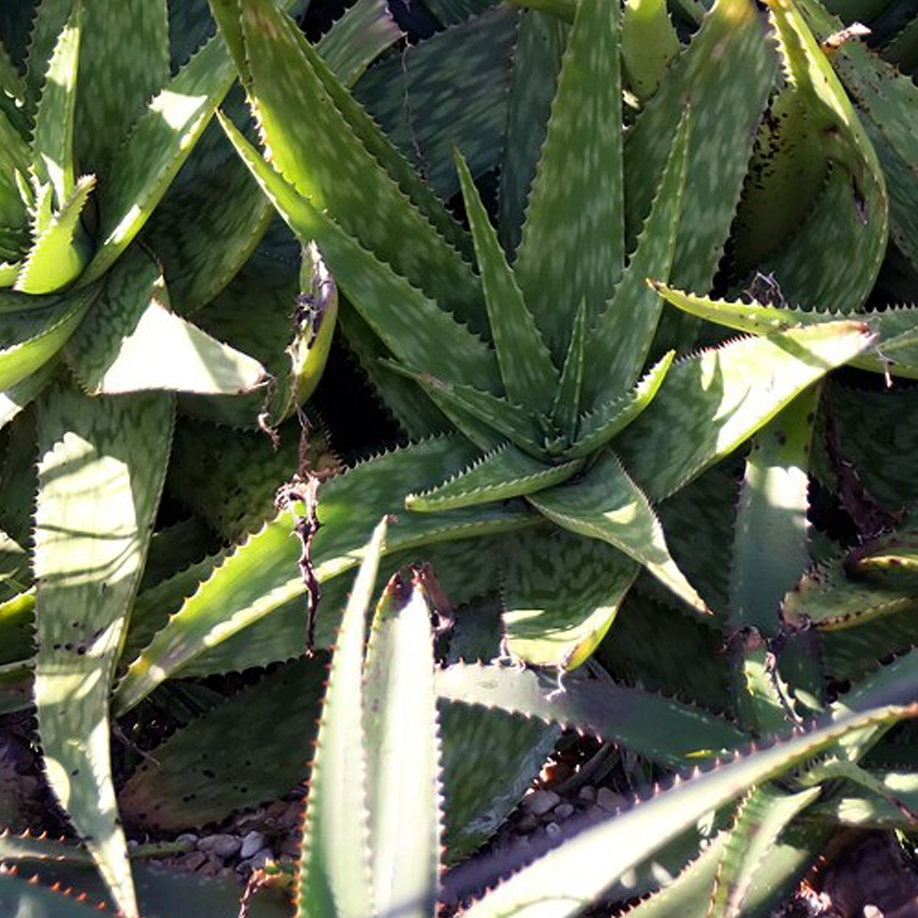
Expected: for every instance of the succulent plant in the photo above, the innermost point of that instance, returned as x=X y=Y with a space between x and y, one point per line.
x=557 y=444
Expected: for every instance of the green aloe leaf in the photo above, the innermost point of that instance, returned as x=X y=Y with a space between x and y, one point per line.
x=403 y=752
x=831 y=596
x=261 y=576
x=158 y=144
x=885 y=99
x=606 y=420
x=120 y=345
x=605 y=504
x=509 y=420
x=847 y=229
x=649 y=45
x=570 y=877
x=268 y=50
x=21 y=394
x=52 y=139
x=771 y=546
x=763 y=815
x=124 y=62
x=336 y=867
x=455 y=87
x=726 y=103
x=663 y=730
x=619 y=342
x=894 y=349
x=505 y=472
x=100 y=477
x=60 y=252
x=30 y=340
x=710 y=403
x=355 y=40
x=541 y=40
x=546 y=626
x=412 y=326
x=530 y=378
x=567 y=402
x=573 y=238
x=184 y=784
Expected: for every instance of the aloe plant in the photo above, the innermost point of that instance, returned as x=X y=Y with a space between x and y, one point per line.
x=558 y=444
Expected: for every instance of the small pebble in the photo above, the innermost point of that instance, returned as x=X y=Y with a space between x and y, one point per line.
x=609 y=800
x=221 y=846
x=587 y=794
x=194 y=860
x=252 y=842
x=132 y=844
x=563 y=811
x=552 y=830
x=541 y=802
x=187 y=838
x=528 y=823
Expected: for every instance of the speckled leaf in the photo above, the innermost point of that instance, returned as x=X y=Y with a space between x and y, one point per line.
x=606 y=420
x=889 y=806
x=887 y=100
x=230 y=478
x=559 y=883
x=52 y=138
x=72 y=892
x=771 y=545
x=204 y=232
x=710 y=403
x=414 y=412
x=619 y=341
x=328 y=67
x=561 y=628
x=490 y=759
x=845 y=235
x=567 y=402
x=529 y=376
x=763 y=815
x=726 y=103
x=649 y=45
x=18 y=396
x=335 y=170
x=60 y=252
x=355 y=40
x=120 y=346
x=605 y=504
x=455 y=84
x=878 y=435
x=270 y=279
x=573 y=238
x=100 y=477
x=159 y=143
x=893 y=350
x=336 y=862
x=663 y=730
x=29 y=340
x=412 y=326
x=185 y=782
x=540 y=44
x=45 y=30
x=506 y=472
x=403 y=752
x=830 y=598
x=261 y=576
x=509 y=420
x=124 y=61
x=467 y=570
